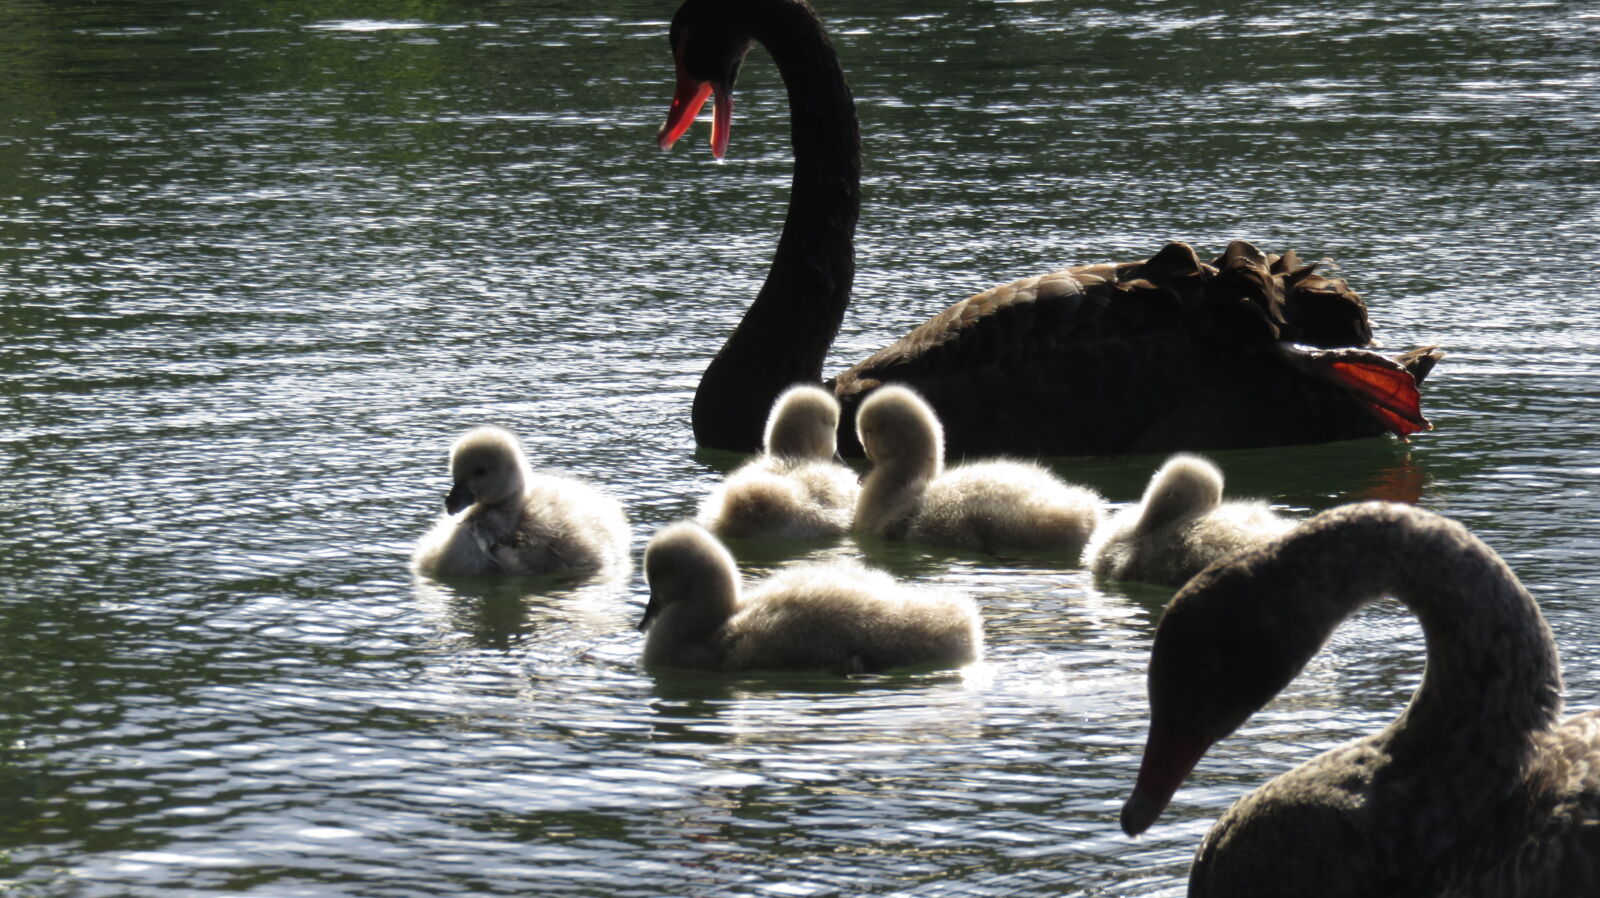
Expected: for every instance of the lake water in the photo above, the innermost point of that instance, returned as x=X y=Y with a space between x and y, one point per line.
x=260 y=265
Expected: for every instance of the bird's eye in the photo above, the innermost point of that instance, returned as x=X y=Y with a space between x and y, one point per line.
x=480 y=471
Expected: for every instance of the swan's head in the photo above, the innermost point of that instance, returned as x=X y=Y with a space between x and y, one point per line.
x=894 y=424
x=1187 y=486
x=1216 y=658
x=686 y=565
x=709 y=43
x=487 y=466
x=804 y=424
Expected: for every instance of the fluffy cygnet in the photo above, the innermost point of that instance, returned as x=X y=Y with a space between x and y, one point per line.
x=794 y=489
x=1179 y=527
x=990 y=505
x=837 y=616
x=502 y=518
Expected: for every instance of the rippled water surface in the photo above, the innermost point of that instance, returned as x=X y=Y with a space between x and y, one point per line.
x=259 y=265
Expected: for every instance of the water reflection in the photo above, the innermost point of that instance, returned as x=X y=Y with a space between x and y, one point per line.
x=262 y=262
x=517 y=612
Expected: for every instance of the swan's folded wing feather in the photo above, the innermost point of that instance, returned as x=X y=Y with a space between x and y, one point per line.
x=1007 y=324
x=1562 y=856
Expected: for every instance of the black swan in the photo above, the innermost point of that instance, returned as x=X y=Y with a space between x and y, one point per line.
x=1478 y=788
x=1160 y=355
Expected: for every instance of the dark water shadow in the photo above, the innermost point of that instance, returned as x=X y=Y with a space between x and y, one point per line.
x=504 y=613
x=1304 y=477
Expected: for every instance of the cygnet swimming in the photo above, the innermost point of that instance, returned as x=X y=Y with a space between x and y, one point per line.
x=1179 y=527
x=836 y=616
x=794 y=489
x=502 y=518
x=989 y=505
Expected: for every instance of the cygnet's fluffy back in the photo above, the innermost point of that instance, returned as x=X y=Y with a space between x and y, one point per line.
x=1180 y=526
x=837 y=616
x=990 y=505
x=502 y=518
x=794 y=489
x=1000 y=505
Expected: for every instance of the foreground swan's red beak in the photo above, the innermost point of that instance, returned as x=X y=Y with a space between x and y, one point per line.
x=1169 y=755
x=687 y=100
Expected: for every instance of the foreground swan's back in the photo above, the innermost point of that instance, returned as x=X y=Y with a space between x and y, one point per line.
x=1179 y=527
x=502 y=518
x=1477 y=789
x=840 y=616
x=794 y=489
x=991 y=505
x=1159 y=355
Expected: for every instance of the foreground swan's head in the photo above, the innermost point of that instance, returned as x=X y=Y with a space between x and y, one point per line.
x=488 y=467
x=688 y=568
x=1243 y=628
x=1187 y=486
x=1208 y=673
x=894 y=424
x=803 y=425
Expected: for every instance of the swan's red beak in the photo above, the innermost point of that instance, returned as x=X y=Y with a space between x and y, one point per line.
x=690 y=96
x=1169 y=755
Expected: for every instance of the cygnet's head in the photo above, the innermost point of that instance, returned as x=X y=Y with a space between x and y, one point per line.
x=803 y=424
x=487 y=466
x=685 y=563
x=1187 y=486
x=895 y=424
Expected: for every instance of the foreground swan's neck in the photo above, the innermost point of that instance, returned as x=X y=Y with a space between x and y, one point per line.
x=1493 y=675
x=784 y=336
x=891 y=492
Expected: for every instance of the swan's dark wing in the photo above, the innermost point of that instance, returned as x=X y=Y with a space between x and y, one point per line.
x=1560 y=855
x=1160 y=355
x=1420 y=361
x=1031 y=317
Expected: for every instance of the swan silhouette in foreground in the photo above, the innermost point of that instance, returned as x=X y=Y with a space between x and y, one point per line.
x=837 y=616
x=1161 y=355
x=1179 y=527
x=794 y=489
x=987 y=505
x=1477 y=788
x=502 y=518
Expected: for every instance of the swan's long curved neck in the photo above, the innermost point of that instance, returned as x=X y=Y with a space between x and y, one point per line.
x=784 y=336
x=1493 y=676
x=890 y=493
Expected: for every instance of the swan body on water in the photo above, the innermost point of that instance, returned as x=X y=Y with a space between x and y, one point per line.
x=794 y=489
x=1164 y=354
x=1478 y=788
x=836 y=616
x=1180 y=526
x=987 y=505
x=503 y=518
